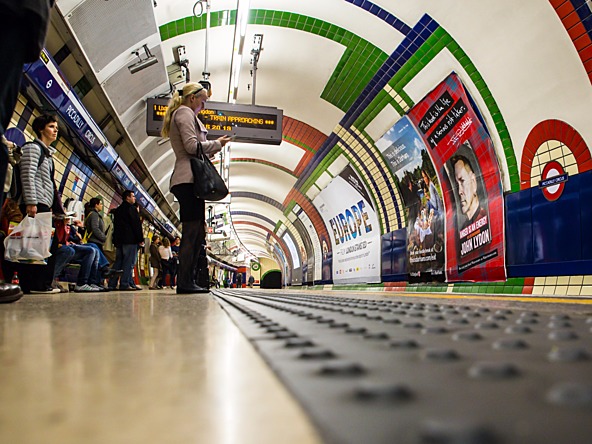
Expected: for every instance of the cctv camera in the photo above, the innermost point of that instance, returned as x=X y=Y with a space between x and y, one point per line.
x=143 y=64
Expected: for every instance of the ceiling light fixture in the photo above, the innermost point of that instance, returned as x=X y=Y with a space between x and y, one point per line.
x=243 y=8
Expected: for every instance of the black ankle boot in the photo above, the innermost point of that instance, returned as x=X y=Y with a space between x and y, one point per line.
x=10 y=293
x=192 y=290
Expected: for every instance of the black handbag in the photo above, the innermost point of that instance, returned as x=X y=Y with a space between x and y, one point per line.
x=207 y=183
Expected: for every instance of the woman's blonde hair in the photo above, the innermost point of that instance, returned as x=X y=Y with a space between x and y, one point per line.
x=176 y=102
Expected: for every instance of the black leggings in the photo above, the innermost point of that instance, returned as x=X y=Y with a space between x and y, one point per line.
x=191 y=207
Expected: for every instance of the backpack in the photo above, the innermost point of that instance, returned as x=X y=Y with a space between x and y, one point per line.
x=108 y=245
x=16 y=187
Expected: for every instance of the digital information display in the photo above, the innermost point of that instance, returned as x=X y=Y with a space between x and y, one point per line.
x=155 y=110
x=247 y=123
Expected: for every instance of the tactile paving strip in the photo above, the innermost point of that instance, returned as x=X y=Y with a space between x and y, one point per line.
x=412 y=370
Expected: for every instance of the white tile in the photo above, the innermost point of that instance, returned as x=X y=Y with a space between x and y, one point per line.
x=576 y=280
x=562 y=280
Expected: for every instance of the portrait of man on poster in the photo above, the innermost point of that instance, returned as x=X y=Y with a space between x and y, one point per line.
x=469 y=189
x=471 y=209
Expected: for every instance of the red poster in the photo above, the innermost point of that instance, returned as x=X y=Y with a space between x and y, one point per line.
x=465 y=161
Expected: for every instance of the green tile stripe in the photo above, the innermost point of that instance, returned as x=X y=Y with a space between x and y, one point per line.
x=512 y=286
x=336 y=91
x=359 y=63
x=288 y=209
x=353 y=72
x=335 y=152
x=432 y=47
x=439 y=40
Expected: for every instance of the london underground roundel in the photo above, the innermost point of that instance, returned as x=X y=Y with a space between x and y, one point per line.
x=553 y=180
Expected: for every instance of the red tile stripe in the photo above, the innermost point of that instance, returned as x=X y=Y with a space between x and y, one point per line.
x=553 y=130
x=310 y=210
x=576 y=31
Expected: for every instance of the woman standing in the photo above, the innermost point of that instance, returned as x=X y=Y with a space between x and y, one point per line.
x=166 y=255
x=39 y=195
x=155 y=262
x=185 y=131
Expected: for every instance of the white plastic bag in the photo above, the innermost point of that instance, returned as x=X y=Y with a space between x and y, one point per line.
x=30 y=240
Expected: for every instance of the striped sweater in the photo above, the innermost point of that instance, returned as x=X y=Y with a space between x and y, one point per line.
x=37 y=183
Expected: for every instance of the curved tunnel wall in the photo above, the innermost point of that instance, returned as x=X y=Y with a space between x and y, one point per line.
x=363 y=91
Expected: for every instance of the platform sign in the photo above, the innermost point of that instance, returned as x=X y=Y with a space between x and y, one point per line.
x=122 y=172
x=49 y=80
x=247 y=123
x=553 y=180
x=464 y=157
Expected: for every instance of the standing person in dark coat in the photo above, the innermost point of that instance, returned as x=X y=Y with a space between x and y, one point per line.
x=24 y=27
x=127 y=237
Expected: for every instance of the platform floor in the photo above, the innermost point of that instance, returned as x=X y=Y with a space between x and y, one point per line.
x=153 y=367
x=144 y=367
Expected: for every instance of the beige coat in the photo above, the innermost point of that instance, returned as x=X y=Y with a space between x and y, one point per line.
x=186 y=130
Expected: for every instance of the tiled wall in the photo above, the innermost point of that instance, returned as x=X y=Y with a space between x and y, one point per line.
x=366 y=81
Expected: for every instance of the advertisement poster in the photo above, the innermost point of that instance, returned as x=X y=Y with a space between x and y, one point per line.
x=409 y=161
x=351 y=221
x=471 y=184
x=296 y=270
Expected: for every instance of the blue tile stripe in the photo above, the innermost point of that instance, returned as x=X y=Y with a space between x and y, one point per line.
x=382 y=14
x=584 y=11
x=414 y=39
x=410 y=44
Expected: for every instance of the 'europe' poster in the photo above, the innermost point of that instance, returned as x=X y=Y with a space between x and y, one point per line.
x=348 y=213
x=463 y=152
